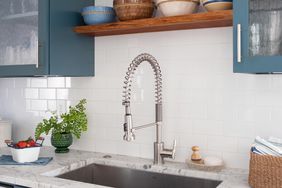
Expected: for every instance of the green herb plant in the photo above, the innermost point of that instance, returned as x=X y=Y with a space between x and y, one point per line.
x=74 y=122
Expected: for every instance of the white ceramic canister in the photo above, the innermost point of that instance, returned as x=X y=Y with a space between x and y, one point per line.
x=5 y=132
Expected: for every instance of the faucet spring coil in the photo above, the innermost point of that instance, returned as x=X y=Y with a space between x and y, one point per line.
x=131 y=70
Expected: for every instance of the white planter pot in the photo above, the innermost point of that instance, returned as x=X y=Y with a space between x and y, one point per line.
x=26 y=154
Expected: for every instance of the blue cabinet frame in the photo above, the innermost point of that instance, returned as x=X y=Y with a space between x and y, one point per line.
x=249 y=64
x=61 y=52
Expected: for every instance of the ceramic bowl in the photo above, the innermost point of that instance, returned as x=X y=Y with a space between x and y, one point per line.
x=133 y=9
x=94 y=15
x=215 y=5
x=177 y=7
x=27 y=154
x=119 y=2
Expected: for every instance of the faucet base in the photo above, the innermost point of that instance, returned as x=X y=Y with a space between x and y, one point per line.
x=158 y=147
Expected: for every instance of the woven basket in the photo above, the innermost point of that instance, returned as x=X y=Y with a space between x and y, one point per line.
x=134 y=11
x=265 y=171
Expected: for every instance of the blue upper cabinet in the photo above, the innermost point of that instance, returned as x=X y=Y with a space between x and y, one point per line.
x=257 y=36
x=37 y=39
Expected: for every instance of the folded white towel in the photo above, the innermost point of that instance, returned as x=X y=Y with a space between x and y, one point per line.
x=275 y=141
x=263 y=150
x=269 y=145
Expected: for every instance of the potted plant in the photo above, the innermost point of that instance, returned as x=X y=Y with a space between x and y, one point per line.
x=63 y=127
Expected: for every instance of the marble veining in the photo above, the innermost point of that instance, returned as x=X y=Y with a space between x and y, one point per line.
x=45 y=176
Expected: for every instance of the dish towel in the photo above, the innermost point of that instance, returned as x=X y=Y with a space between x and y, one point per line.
x=8 y=160
x=267 y=147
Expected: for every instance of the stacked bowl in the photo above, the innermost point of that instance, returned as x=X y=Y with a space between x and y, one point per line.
x=93 y=15
x=215 y=5
x=133 y=9
x=177 y=7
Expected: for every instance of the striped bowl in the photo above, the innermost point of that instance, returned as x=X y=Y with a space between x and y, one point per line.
x=215 y=5
x=94 y=15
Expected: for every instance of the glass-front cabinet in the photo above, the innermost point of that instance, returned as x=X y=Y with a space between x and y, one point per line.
x=36 y=39
x=257 y=36
x=18 y=32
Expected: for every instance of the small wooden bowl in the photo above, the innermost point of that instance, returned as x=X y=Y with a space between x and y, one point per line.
x=201 y=166
x=133 y=9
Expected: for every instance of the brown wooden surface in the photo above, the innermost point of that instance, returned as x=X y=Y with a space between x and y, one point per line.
x=192 y=21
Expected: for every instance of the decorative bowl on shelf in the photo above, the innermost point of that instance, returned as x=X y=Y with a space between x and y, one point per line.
x=94 y=15
x=215 y=5
x=133 y=9
x=177 y=7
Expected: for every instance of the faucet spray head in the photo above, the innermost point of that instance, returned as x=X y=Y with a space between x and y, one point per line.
x=127 y=126
x=129 y=136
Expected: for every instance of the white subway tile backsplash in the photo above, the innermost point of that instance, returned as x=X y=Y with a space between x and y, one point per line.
x=39 y=105
x=209 y=127
x=190 y=140
x=183 y=153
x=146 y=151
x=31 y=93
x=276 y=114
x=193 y=110
x=222 y=112
x=254 y=113
x=56 y=82
x=178 y=125
x=244 y=145
x=7 y=83
x=127 y=148
x=106 y=146
x=239 y=129
x=52 y=105
x=236 y=160
x=222 y=143
x=38 y=82
x=47 y=93
x=62 y=94
x=204 y=102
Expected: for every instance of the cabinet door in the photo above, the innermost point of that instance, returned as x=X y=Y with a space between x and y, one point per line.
x=257 y=36
x=23 y=37
x=70 y=54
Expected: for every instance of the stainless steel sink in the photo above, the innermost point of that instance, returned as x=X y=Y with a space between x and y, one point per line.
x=129 y=178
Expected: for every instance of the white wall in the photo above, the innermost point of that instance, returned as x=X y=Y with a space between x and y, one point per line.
x=205 y=103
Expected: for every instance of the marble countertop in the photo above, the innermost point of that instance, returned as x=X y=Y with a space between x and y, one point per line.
x=45 y=176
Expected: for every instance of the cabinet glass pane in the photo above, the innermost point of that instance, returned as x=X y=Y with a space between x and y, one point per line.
x=18 y=32
x=265 y=27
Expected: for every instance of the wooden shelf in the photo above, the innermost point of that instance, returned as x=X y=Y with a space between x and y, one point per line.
x=192 y=21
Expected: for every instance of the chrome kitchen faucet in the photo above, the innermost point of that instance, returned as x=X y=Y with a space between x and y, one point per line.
x=159 y=151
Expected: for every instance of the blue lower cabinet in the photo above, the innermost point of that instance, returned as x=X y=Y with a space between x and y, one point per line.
x=37 y=39
x=257 y=36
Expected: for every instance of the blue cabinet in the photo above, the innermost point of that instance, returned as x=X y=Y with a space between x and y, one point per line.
x=257 y=36
x=37 y=39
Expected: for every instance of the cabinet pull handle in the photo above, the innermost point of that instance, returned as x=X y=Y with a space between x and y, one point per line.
x=239 y=43
x=39 y=55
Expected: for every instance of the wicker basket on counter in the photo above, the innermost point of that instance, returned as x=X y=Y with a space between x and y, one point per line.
x=265 y=171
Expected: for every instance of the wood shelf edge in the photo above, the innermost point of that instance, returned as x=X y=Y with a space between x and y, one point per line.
x=192 y=21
